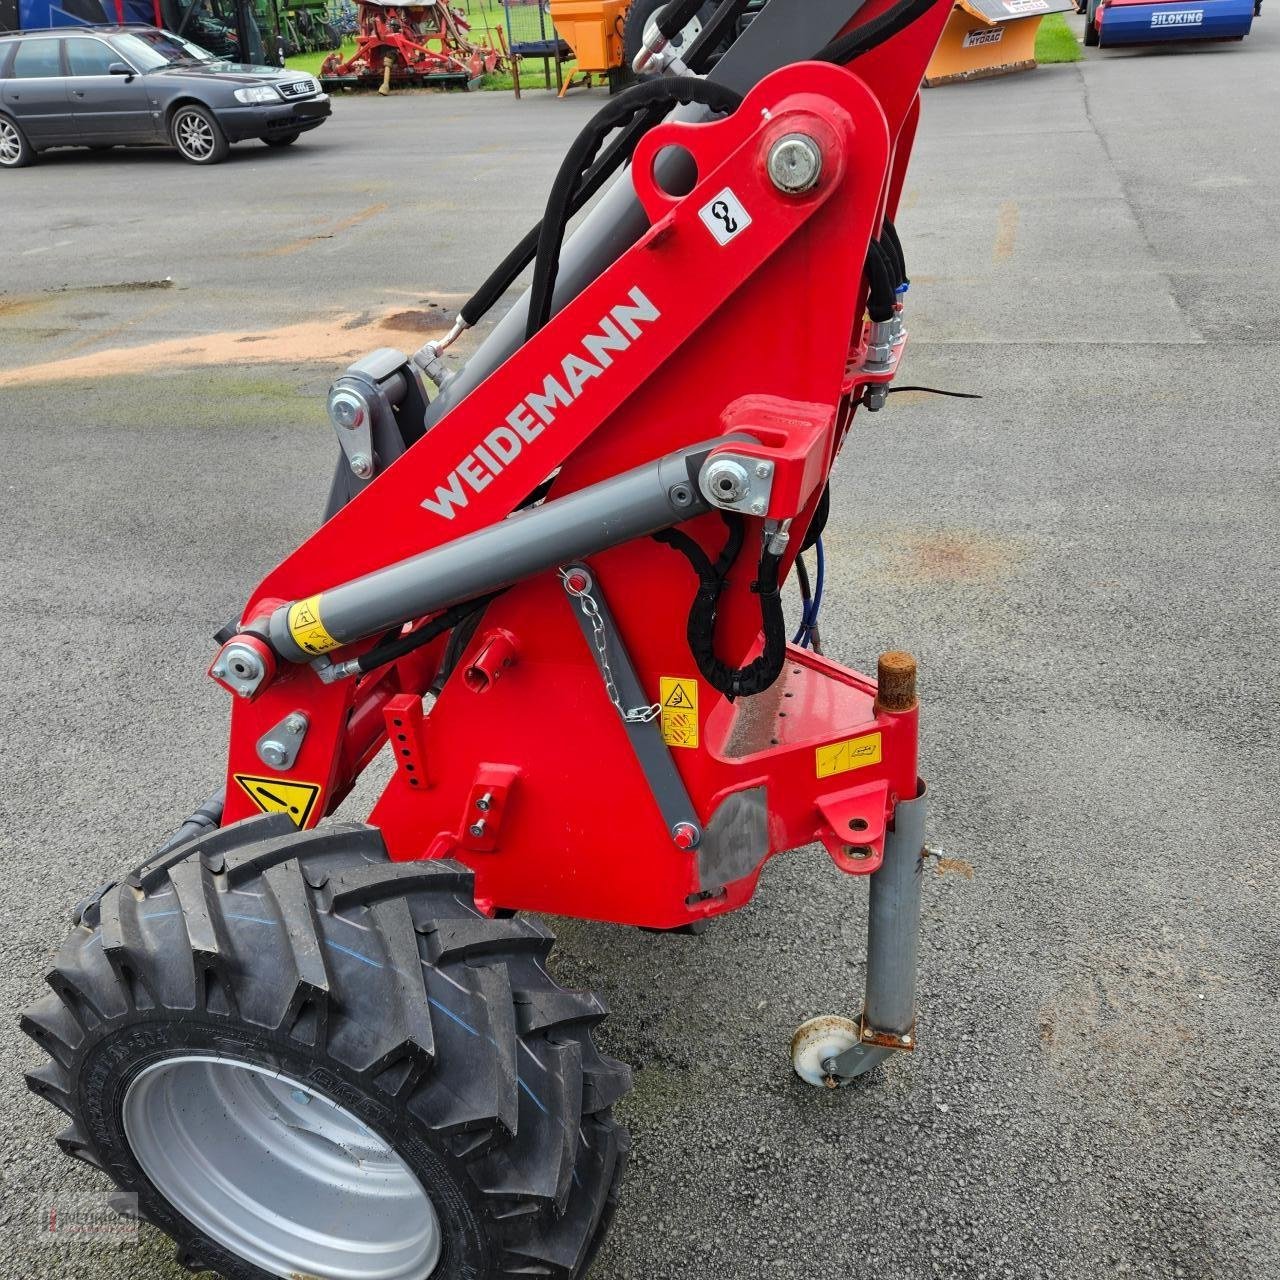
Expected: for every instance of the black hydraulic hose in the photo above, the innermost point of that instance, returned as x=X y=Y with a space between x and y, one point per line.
x=712 y=35
x=390 y=650
x=618 y=153
x=505 y=273
x=666 y=90
x=673 y=19
x=867 y=35
x=208 y=817
x=758 y=675
x=889 y=238
x=883 y=295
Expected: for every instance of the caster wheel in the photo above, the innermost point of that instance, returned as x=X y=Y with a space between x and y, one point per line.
x=818 y=1041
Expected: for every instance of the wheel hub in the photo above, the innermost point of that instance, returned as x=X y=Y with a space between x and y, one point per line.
x=279 y=1174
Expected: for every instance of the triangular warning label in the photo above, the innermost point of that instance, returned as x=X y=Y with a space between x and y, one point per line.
x=275 y=795
x=680 y=696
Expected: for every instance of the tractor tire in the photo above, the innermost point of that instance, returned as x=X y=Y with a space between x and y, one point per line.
x=305 y=1059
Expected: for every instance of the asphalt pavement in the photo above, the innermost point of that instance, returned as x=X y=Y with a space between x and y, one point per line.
x=1084 y=562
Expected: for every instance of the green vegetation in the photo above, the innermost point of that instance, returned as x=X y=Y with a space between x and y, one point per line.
x=1056 y=42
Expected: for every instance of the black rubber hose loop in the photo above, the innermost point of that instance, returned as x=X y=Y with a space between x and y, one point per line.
x=666 y=91
x=758 y=675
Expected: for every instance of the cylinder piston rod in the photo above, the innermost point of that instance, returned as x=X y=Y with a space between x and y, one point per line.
x=633 y=505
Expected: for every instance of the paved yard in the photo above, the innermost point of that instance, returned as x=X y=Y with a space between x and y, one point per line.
x=1084 y=561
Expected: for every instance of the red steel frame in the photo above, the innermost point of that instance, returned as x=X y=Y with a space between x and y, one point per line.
x=764 y=334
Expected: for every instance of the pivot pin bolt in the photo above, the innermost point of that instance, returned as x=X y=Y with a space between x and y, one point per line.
x=795 y=164
x=476 y=829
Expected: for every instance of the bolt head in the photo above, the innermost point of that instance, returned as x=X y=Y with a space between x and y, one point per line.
x=220 y=671
x=763 y=469
x=685 y=835
x=346 y=409
x=758 y=507
x=362 y=465
x=296 y=724
x=477 y=829
x=274 y=753
x=795 y=164
x=577 y=581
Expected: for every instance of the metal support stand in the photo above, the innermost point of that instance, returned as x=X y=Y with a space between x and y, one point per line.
x=888 y=1018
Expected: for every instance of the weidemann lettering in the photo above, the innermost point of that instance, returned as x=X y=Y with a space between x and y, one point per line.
x=537 y=411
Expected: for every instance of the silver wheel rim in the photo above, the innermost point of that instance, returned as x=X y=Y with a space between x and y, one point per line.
x=195 y=135
x=10 y=143
x=278 y=1174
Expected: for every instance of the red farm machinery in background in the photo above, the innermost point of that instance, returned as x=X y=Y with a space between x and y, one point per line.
x=547 y=593
x=410 y=44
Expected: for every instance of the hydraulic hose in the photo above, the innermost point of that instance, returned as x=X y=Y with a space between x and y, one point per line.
x=883 y=295
x=666 y=91
x=868 y=35
x=673 y=19
x=712 y=35
x=758 y=675
x=889 y=238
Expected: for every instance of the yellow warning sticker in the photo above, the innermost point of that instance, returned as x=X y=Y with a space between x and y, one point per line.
x=306 y=628
x=275 y=795
x=852 y=753
x=679 y=698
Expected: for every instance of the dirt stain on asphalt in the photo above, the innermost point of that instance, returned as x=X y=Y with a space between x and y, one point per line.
x=305 y=242
x=1006 y=231
x=328 y=340
x=415 y=321
x=956 y=557
x=20 y=306
x=936 y=557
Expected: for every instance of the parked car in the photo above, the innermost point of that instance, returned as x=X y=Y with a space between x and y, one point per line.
x=107 y=86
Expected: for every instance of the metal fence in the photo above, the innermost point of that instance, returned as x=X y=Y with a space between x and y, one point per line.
x=530 y=32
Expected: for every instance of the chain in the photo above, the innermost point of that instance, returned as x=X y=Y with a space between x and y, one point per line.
x=591 y=610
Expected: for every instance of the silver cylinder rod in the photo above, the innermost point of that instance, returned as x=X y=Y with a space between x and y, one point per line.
x=632 y=505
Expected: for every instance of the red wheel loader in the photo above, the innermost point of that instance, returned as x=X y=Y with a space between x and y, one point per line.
x=548 y=586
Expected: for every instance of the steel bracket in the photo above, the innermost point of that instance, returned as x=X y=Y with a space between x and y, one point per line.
x=279 y=746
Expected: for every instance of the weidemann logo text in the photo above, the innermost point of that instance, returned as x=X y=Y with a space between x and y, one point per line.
x=537 y=411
